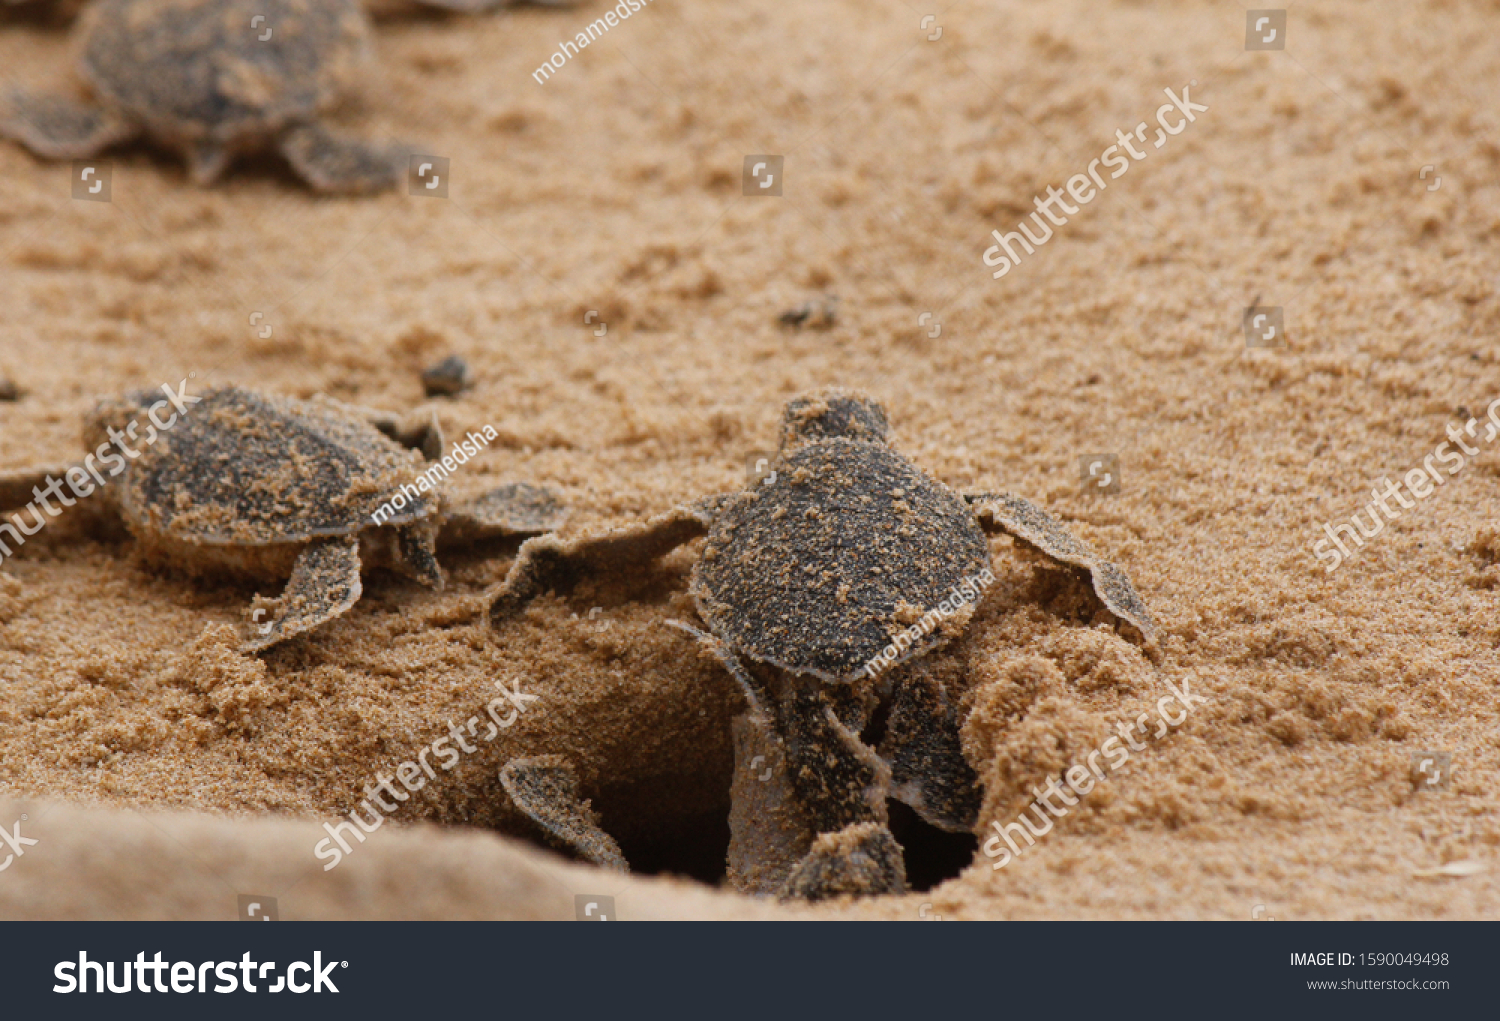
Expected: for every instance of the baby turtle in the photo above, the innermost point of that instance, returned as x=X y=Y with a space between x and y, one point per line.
x=66 y=10
x=272 y=487
x=215 y=79
x=820 y=588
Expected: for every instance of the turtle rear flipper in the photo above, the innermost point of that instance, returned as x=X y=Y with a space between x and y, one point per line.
x=862 y=859
x=928 y=770
x=59 y=128
x=517 y=508
x=1019 y=517
x=546 y=789
x=324 y=584
x=416 y=553
x=333 y=162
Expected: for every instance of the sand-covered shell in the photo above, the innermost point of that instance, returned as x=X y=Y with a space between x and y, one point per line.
x=242 y=468
x=819 y=569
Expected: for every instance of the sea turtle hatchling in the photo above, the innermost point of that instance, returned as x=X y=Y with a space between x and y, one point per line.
x=273 y=488
x=67 y=9
x=215 y=79
x=820 y=588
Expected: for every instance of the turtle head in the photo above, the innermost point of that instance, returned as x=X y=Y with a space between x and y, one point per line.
x=832 y=413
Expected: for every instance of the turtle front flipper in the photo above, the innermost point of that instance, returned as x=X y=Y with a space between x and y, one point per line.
x=324 y=583
x=1013 y=515
x=58 y=128
x=549 y=564
x=338 y=163
x=546 y=789
x=517 y=508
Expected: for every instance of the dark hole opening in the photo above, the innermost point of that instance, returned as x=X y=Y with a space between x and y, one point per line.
x=697 y=847
x=677 y=825
x=933 y=856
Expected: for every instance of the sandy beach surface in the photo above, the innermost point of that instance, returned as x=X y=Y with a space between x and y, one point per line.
x=600 y=262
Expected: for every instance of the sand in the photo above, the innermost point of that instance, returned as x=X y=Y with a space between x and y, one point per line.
x=129 y=722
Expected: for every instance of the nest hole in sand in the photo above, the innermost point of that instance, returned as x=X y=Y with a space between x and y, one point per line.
x=662 y=755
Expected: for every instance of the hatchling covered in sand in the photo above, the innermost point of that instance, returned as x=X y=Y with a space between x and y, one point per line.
x=273 y=488
x=215 y=79
x=821 y=588
x=67 y=9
